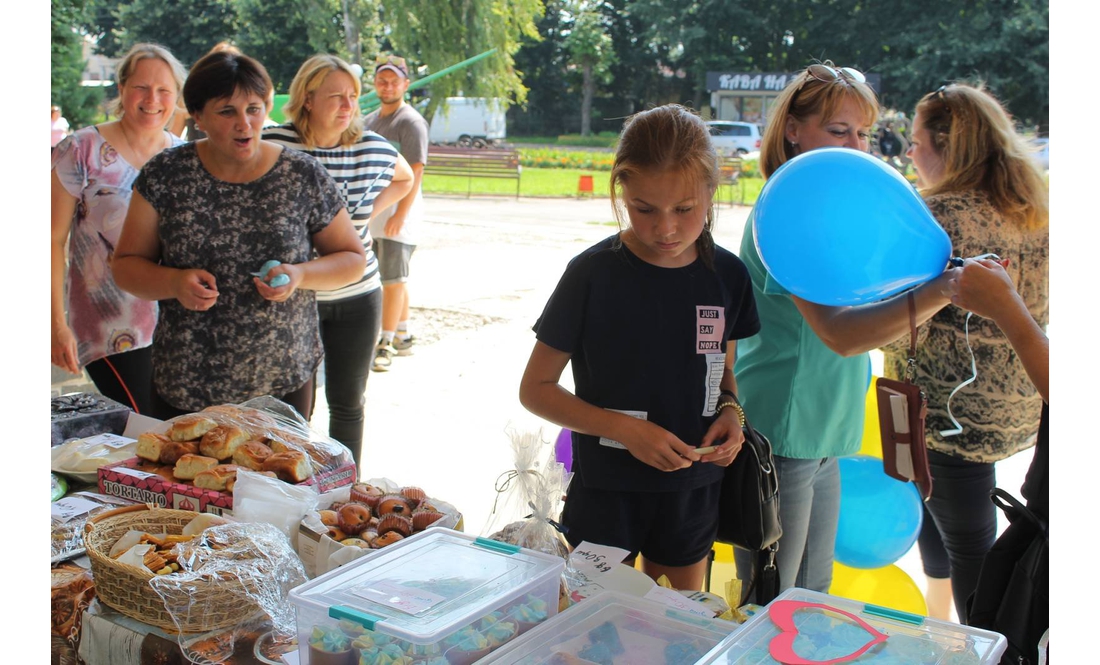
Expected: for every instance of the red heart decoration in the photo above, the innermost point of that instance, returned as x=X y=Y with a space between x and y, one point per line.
x=781 y=612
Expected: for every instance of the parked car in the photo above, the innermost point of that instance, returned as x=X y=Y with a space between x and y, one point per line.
x=730 y=137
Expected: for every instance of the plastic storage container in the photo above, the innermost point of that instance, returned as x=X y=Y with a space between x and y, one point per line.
x=615 y=629
x=443 y=597
x=823 y=635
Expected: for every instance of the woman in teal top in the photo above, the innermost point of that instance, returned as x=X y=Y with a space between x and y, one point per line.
x=803 y=379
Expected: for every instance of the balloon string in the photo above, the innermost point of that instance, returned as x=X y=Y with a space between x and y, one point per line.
x=974 y=375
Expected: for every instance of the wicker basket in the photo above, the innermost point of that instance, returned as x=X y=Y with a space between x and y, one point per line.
x=126 y=588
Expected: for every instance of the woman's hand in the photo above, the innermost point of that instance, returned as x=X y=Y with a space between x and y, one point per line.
x=725 y=428
x=196 y=289
x=984 y=287
x=279 y=293
x=63 y=351
x=657 y=447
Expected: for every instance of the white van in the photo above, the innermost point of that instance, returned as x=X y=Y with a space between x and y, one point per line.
x=469 y=121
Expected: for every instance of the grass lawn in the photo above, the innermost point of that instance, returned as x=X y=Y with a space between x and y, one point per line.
x=536 y=182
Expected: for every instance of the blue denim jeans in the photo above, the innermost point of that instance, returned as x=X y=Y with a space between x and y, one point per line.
x=809 y=508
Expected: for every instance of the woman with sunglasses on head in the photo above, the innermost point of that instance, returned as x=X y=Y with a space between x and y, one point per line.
x=325 y=122
x=804 y=377
x=94 y=323
x=207 y=214
x=984 y=187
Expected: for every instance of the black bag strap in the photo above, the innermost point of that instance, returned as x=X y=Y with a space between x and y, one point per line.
x=1014 y=510
x=765 y=576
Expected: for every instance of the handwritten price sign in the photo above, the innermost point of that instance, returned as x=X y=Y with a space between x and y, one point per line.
x=592 y=559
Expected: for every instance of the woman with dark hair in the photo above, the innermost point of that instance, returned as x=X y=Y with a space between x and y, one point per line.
x=203 y=218
x=94 y=324
x=325 y=122
x=982 y=184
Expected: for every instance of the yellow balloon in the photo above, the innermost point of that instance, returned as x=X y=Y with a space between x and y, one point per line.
x=889 y=586
x=872 y=437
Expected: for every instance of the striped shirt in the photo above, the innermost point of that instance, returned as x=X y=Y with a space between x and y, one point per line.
x=361 y=172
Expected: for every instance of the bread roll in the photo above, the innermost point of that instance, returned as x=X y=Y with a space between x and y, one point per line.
x=171 y=451
x=189 y=466
x=226 y=409
x=252 y=454
x=222 y=441
x=150 y=444
x=291 y=466
x=216 y=478
x=190 y=427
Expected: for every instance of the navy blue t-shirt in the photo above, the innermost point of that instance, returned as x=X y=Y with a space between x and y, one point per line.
x=651 y=342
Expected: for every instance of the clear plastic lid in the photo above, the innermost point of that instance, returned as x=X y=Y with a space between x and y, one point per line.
x=424 y=587
x=615 y=628
x=822 y=634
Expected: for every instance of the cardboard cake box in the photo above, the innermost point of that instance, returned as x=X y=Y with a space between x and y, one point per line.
x=127 y=480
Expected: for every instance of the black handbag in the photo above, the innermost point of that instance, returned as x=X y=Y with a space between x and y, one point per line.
x=1013 y=592
x=748 y=510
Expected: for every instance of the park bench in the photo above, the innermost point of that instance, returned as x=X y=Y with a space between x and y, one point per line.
x=730 y=169
x=473 y=163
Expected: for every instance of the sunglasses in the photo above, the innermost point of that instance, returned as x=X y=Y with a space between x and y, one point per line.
x=941 y=94
x=390 y=60
x=827 y=74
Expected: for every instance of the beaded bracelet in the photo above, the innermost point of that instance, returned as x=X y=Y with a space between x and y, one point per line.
x=736 y=407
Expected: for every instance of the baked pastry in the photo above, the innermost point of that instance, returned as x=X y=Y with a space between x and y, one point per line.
x=222 y=441
x=393 y=522
x=388 y=538
x=149 y=445
x=225 y=409
x=188 y=428
x=291 y=466
x=328 y=517
x=366 y=493
x=422 y=519
x=252 y=454
x=393 y=503
x=189 y=466
x=172 y=451
x=415 y=495
x=353 y=518
x=216 y=478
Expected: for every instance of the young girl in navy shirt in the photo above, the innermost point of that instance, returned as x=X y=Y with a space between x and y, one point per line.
x=649 y=319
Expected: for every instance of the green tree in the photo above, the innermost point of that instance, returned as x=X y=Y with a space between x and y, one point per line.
x=282 y=34
x=79 y=104
x=591 y=50
x=187 y=28
x=543 y=60
x=440 y=33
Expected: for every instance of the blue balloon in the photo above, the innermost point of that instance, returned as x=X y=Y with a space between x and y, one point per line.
x=563 y=448
x=880 y=517
x=837 y=226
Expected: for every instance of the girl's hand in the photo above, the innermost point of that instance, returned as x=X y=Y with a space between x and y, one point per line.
x=196 y=289
x=657 y=447
x=63 y=352
x=726 y=429
x=279 y=293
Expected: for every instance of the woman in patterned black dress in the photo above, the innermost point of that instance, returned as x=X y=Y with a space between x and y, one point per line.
x=207 y=214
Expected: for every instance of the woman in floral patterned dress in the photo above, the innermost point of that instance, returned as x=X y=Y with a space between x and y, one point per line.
x=108 y=331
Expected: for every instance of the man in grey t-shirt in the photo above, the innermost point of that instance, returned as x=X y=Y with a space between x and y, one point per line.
x=394 y=230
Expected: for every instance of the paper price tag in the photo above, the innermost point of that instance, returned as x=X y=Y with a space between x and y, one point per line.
x=677 y=600
x=407 y=599
x=594 y=559
x=66 y=509
x=134 y=473
x=110 y=440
